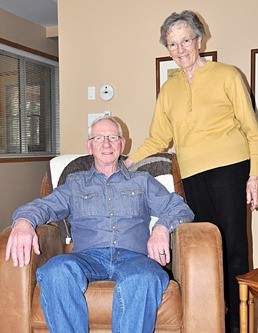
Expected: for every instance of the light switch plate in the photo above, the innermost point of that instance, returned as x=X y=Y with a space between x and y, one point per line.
x=91 y=93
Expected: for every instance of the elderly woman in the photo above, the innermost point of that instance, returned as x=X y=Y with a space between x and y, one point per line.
x=206 y=111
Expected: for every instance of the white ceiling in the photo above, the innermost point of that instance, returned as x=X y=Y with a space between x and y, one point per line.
x=42 y=12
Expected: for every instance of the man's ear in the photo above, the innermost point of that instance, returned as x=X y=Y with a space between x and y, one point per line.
x=88 y=146
x=122 y=145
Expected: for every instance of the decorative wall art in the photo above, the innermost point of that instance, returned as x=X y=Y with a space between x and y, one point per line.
x=254 y=77
x=166 y=65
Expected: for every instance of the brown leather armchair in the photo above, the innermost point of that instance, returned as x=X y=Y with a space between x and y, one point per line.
x=193 y=302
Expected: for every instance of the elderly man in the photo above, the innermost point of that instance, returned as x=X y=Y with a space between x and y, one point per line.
x=109 y=211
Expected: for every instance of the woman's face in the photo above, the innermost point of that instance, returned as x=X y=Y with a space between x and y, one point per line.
x=185 y=56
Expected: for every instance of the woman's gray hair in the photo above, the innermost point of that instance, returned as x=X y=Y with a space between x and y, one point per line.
x=120 y=132
x=187 y=16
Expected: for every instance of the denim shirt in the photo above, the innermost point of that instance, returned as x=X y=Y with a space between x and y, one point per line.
x=109 y=212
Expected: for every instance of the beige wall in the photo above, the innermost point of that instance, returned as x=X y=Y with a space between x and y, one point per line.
x=20 y=182
x=116 y=42
x=29 y=34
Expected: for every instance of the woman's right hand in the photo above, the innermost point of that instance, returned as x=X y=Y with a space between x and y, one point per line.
x=128 y=162
x=252 y=192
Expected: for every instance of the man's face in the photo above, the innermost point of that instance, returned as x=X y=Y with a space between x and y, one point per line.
x=105 y=153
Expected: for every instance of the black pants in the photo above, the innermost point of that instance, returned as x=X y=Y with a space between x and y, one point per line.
x=219 y=196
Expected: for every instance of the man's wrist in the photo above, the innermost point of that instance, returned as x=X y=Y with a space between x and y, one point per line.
x=160 y=226
x=22 y=222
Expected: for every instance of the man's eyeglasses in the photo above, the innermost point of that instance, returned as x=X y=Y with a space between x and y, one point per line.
x=102 y=138
x=185 y=43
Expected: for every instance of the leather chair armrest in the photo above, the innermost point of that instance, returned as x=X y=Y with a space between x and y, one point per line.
x=17 y=284
x=197 y=266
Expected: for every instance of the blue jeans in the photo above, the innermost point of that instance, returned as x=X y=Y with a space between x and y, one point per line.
x=140 y=284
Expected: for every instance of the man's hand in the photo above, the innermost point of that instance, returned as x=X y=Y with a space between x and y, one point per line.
x=158 y=245
x=22 y=238
x=252 y=192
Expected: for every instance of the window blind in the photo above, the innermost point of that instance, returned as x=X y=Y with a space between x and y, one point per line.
x=29 y=105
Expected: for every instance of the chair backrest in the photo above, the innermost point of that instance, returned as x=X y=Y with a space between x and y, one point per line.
x=157 y=165
x=59 y=163
x=162 y=166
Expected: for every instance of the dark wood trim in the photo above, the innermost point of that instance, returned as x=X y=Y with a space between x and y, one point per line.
x=253 y=69
x=28 y=49
x=25 y=159
x=213 y=54
x=158 y=61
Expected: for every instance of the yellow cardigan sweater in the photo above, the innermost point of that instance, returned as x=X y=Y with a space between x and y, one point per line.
x=211 y=122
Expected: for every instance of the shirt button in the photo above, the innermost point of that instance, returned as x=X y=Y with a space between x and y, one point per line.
x=114 y=242
x=111 y=215
x=109 y=199
x=113 y=227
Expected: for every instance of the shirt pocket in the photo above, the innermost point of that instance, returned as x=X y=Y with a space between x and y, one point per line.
x=86 y=204
x=132 y=201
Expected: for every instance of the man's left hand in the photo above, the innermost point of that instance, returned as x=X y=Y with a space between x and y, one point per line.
x=158 y=245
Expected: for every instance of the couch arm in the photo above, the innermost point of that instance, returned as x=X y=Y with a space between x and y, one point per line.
x=197 y=266
x=17 y=284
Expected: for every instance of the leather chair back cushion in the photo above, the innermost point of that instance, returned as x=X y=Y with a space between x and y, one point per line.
x=84 y=163
x=157 y=164
x=99 y=296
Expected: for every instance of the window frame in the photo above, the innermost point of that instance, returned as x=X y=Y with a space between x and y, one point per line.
x=38 y=56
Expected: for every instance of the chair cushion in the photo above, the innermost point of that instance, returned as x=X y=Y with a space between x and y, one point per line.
x=58 y=164
x=99 y=296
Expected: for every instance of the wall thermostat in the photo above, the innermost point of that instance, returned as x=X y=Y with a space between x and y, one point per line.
x=106 y=92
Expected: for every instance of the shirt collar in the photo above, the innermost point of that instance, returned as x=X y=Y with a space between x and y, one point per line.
x=121 y=169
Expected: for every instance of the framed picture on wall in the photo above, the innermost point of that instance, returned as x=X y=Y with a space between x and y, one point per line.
x=254 y=77
x=165 y=67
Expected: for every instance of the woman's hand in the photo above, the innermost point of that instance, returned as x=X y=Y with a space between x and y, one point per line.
x=128 y=162
x=252 y=192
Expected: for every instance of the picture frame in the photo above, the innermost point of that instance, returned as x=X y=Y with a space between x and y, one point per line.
x=254 y=77
x=165 y=66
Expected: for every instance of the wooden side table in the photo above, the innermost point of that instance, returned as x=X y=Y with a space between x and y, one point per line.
x=248 y=289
